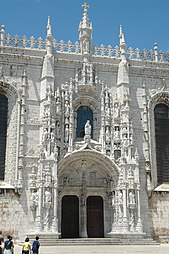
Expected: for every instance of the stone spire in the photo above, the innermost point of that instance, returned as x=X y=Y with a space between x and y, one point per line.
x=49 y=38
x=123 y=70
x=49 y=28
x=85 y=33
x=122 y=44
x=48 y=64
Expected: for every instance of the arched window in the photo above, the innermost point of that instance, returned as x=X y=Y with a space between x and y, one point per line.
x=161 y=114
x=3 y=131
x=84 y=113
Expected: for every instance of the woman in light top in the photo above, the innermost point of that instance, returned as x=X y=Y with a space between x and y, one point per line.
x=26 y=248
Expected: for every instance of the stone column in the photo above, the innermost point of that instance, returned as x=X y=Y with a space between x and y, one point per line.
x=125 y=222
x=38 y=222
x=83 y=220
x=139 y=227
x=55 y=206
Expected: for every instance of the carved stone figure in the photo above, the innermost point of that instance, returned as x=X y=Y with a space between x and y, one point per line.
x=48 y=198
x=131 y=198
x=120 y=197
x=87 y=128
x=34 y=200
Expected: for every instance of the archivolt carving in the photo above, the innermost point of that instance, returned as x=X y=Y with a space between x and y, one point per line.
x=86 y=100
x=161 y=97
x=84 y=173
x=94 y=162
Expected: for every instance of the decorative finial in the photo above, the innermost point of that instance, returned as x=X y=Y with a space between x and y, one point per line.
x=49 y=38
x=2 y=33
x=24 y=72
x=49 y=29
x=120 y=34
x=122 y=44
x=156 y=51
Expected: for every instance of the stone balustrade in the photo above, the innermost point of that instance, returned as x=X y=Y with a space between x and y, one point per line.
x=98 y=51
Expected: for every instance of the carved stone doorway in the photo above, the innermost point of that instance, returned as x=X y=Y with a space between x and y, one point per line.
x=70 y=217
x=95 y=218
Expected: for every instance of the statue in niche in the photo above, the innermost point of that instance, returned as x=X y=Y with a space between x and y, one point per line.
x=66 y=133
x=108 y=138
x=113 y=198
x=52 y=136
x=116 y=110
x=67 y=109
x=87 y=128
x=45 y=135
x=48 y=203
x=58 y=130
x=58 y=105
x=116 y=133
x=34 y=200
x=131 y=197
x=86 y=45
x=48 y=197
x=120 y=197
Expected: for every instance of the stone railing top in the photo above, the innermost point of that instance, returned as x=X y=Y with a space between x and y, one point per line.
x=69 y=47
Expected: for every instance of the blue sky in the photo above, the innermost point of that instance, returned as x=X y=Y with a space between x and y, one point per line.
x=144 y=21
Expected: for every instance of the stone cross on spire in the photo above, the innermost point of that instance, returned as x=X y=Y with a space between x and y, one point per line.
x=85 y=6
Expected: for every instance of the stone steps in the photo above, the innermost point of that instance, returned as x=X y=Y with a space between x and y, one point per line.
x=96 y=241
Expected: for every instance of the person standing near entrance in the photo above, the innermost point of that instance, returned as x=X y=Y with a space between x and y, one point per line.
x=26 y=249
x=1 y=242
x=36 y=245
x=8 y=245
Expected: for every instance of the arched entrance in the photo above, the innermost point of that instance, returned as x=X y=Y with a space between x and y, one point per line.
x=95 y=218
x=70 y=217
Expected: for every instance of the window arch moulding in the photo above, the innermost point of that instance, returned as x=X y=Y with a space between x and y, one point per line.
x=10 y=91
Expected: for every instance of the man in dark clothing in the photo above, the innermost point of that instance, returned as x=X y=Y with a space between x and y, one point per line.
x=36 y=245
x=1 y=241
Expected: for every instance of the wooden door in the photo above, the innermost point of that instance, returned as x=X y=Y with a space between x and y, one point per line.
x=95 y=224
x=70 y=217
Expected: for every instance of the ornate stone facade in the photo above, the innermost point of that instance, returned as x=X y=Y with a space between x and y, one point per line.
x=81 y=124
